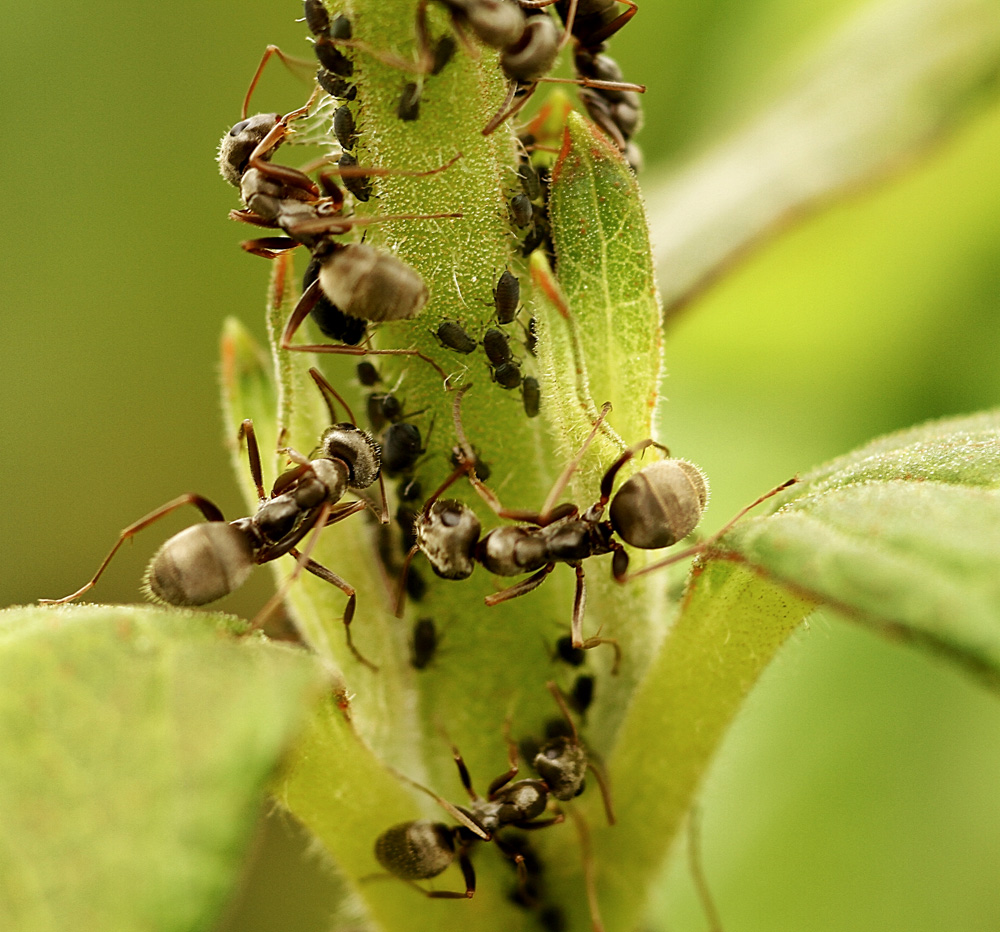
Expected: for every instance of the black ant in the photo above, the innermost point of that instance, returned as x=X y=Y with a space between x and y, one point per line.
x=528 y=59
x=355 y=280
x=655 y=508
x=421 y=850
x=207 y=561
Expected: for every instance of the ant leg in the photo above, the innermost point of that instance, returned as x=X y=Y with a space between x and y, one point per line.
x=571 y=467
x=510 y=107
x=330 y=395
x=288 y=60
x=698 y=872
x=317 y=225
x=512 y=767
x=245 y=215
x=468 y=874
x=521 y=588
x=608 y=30
x=400 y=602
x=207 y=508
x=306 y=303
x=608 y=481
x=253 y=456
x=589 y=878
x=710 y=541
x=269 y=247
x=284 y=174
x=329 y=576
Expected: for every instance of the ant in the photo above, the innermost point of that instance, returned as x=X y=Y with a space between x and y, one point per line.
x=207 y=561
x=421 y=849
x=527 y=60
x=655 y=508
x=356 y=280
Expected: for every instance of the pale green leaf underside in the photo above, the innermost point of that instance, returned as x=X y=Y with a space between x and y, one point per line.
x=904 y=533
x=894 y=78
x=136 y=746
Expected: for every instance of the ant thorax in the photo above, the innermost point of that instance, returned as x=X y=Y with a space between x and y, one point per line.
x=518 y=802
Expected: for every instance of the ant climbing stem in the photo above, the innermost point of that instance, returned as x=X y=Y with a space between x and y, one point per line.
x=330 y=394
x=709 y=542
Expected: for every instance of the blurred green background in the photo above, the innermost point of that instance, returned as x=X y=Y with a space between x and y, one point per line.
x=860 y=789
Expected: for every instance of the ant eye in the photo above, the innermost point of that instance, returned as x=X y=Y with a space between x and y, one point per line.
x=239 y=127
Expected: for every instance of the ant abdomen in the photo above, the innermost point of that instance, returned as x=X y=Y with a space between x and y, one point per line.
x=415 y=850
x=371 y=284
x=200 y=564
x=660 y=505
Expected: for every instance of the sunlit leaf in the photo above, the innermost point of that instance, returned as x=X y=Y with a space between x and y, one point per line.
x=896 y=77
x=904 y=534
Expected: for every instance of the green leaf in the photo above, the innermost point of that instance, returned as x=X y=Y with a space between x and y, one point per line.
x=611 y=312
x=903 y=534
x=898 y=76
x=732 y=623
x=137 y=743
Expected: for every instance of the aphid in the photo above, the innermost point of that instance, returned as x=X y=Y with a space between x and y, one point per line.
x=567 y=653
x=452 y=335
x=531 y=395
x=367 y=373
x=507 y=375
x=343 y=128
x=383 y=408
x=444 y=50
x=408 y=108
x=423 y=643
x=359 y=185
x=582 y=693
x=207 y=561
x=401 y=448
x=483 y=470
x=521 y=210
x=531 y=336
x=507 y=297
x=497 y=347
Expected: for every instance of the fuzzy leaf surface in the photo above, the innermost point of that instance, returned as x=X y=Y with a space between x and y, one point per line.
x=137 y=744
x=903 y=534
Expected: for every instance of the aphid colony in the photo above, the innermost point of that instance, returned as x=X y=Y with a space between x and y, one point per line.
x=349 y=286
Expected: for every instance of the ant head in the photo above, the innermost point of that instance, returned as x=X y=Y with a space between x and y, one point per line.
x=355 y=447
x=238 y=144
x=415 y=850
x=659 y=505
x=534 y=53
x=562 y=763
x=200 y=564
x=447 y=534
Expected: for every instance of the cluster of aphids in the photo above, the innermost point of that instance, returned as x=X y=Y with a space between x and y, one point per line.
x=347 y=288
